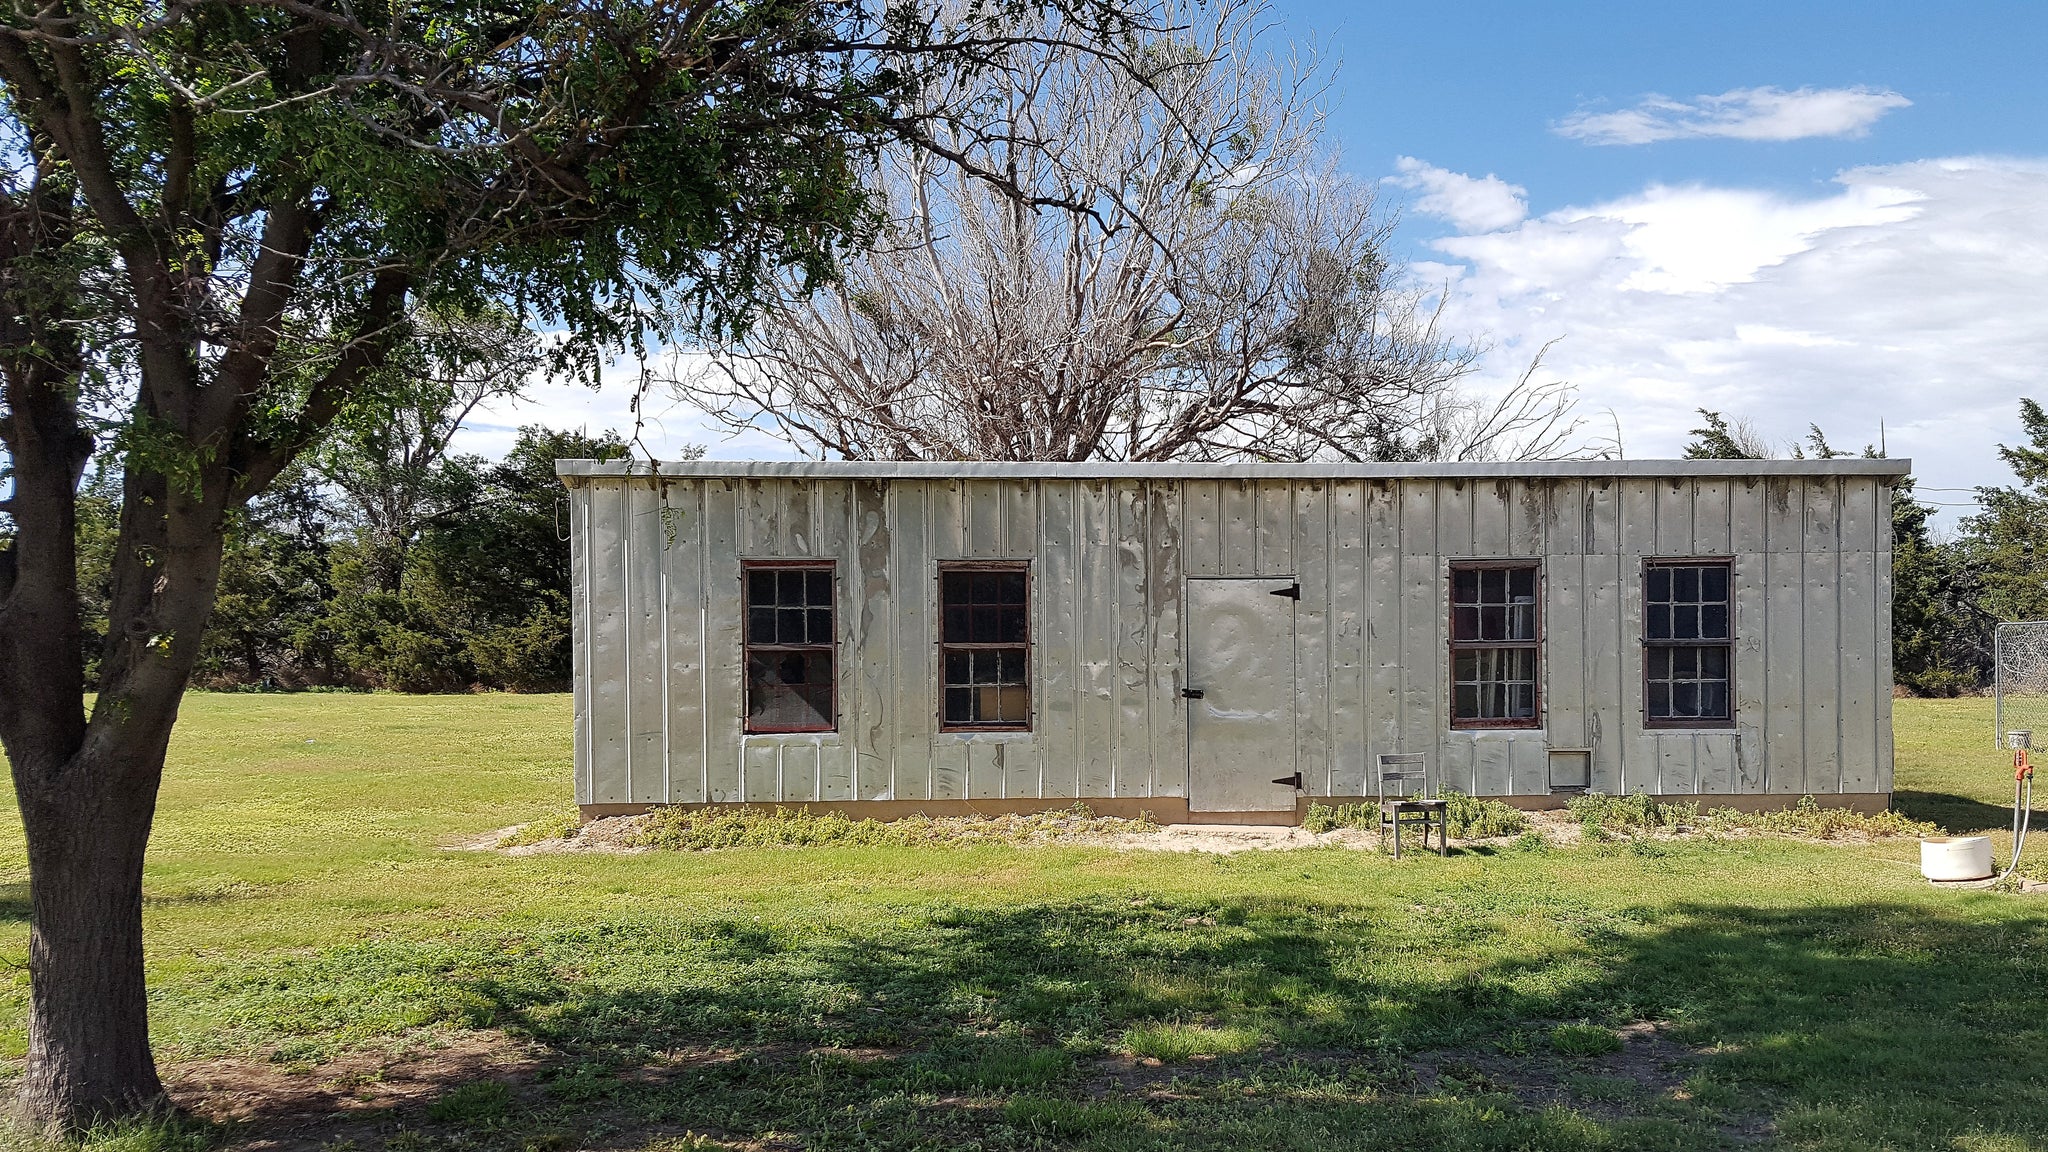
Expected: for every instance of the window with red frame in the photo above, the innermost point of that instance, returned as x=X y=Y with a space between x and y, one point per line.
x=985 y=647
x=791 y=645
x=1688 y=644
x=1496 y=642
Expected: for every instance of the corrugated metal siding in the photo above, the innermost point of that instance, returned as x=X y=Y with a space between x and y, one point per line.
x=659 y=676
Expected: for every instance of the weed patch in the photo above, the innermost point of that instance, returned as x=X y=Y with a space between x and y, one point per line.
x=1601 y=816
x=1321 y=818
x=554 y=826
x=700 y=830
x=1583 y=1040
x=1174 y=1043
x=1066 y=1119
x=1472 y=819
x=477 y=1104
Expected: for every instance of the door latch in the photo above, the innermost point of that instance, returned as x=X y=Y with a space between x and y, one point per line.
x=1191 y=693
x=1292 y=592
x=1293 y=781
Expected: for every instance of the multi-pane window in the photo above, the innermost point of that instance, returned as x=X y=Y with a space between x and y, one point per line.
x=1494 y=646
x=985 y=646
x=790 y=646
x=1688 y=644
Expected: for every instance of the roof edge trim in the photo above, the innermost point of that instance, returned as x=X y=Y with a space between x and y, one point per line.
x=1107 y=470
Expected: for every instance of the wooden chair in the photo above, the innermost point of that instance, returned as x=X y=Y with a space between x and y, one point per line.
x=1408 y=795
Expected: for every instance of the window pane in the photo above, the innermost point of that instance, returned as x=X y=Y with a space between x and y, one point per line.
x=1714 y=622
x=818 y=588
x=1687 y=683
x=1522 y=701
x=1009 y=587
x=789 y=626
x=959 y=705
x=1465 y=623
x=1494 y=684
x=1685 y=621
x=1685 y=584
x=1714 y=582
x=1660 y=586
x=1522 y=621
x=1714 y=700
x=1011 y=628
x=821 y=625
x=789 y=587
x=1013 y=704
x=1685 y=698
x=1493 y=623
x=1522 y=584
x=1685 y=663
x=957 y=622
x=761 y=586
x=1465 y=586
x=1714 y=663
x=761 y=625
x=789 y=689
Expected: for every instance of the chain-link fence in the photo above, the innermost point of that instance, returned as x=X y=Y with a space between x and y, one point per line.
x=2022 y=683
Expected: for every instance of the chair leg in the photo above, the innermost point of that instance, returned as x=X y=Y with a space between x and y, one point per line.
x=1397 y=835
x=1443 y=832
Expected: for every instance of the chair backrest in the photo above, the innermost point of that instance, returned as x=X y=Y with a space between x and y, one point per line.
x=1406 y=776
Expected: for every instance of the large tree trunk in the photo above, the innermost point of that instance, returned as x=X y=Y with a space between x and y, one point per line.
x=87 y=790
x=88 y=1038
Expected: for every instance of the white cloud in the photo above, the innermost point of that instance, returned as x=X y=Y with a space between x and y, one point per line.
x=668 y=425
x=1483 y=204
x=1738 y=114
x=1909 y=295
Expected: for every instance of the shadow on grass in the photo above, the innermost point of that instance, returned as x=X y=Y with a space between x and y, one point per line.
x=1960 y=814
x=14 y=905
x=1838 y=1021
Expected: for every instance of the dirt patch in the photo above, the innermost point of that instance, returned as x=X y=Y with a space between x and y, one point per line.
x=1648 y=1066
x=367 y=1099
x=272 y=1104
x=1225 y=839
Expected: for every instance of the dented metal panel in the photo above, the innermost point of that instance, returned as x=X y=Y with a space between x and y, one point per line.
x=1240 y=699
x=1114 y=551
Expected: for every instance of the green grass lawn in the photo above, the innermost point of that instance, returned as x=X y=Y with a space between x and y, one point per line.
x=314 y=935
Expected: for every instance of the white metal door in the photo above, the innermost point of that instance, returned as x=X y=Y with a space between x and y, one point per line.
x=1241 y=661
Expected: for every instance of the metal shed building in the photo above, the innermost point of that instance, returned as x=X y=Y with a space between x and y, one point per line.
x=1227 y=642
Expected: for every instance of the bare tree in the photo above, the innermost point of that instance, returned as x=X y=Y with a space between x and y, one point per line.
x=1188 y=277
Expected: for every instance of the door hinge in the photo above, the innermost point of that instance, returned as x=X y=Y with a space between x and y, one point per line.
x=1292 y=591
x=1191 y=693
x=1293 y=781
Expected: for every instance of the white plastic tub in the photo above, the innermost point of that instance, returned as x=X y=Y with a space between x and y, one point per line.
x=1955 y=857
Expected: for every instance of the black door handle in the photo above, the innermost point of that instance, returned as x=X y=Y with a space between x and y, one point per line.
x=1191 y=693
x=1293 y=781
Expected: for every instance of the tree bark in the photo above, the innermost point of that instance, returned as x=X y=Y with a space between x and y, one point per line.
x=88 y=1039
x=88 y=806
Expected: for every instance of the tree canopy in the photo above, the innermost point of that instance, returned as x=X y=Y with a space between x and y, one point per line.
x=222 y=223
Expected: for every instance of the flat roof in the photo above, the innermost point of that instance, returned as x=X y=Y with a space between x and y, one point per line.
x=1313 y=470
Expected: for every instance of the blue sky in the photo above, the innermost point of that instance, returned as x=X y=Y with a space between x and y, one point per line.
x=1477 y=87
x=1791 y=213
